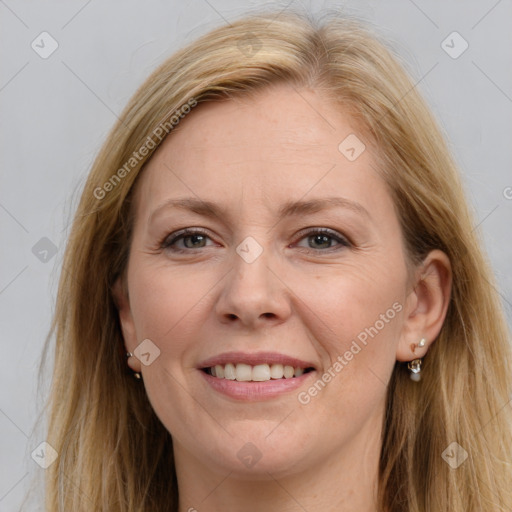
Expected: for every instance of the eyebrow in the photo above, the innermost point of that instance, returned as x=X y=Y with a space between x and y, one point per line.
x=290 y=208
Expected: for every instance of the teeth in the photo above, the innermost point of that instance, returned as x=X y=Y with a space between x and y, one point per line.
x=229 y=372
x=243 y=372
x=288 y=372
x=277 y=371
x=260 y=373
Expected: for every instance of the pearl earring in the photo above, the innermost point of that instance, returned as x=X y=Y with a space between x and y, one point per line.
x=135 y=374
x=415 y=365
x=415 y=369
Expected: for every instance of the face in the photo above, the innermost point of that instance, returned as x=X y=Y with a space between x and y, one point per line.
x=258 y=284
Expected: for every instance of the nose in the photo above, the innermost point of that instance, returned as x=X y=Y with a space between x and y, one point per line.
x=254 y=294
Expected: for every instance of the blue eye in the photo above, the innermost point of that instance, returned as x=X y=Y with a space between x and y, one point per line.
x=194 y=238
x=323 y=237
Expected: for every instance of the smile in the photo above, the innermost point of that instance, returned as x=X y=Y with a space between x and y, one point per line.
x=255 y=376
x=259 y=373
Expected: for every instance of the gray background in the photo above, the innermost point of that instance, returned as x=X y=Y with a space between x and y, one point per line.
x=57 y=111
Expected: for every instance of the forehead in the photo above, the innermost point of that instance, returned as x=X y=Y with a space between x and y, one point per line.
x=276 y=145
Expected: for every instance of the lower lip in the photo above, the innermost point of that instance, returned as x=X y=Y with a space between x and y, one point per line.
x=252 y=391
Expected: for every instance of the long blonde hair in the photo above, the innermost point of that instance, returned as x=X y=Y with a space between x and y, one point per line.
x=114 y=454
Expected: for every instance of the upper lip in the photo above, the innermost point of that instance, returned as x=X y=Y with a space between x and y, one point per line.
x=254 y=359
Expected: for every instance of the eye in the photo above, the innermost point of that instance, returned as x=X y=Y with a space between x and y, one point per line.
x=192 y=238
x=321 y=238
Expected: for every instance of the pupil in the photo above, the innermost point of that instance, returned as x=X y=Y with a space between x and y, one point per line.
x=325 y=238
x=195 y=237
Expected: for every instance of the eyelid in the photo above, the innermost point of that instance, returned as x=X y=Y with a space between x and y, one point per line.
x=173 y=237
x=180 y=234
x=327 y=231
x=342 y=240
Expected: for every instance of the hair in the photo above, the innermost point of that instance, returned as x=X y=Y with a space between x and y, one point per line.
x=114 y=454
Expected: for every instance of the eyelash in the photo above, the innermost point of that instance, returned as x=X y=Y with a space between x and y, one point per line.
x=167 y=242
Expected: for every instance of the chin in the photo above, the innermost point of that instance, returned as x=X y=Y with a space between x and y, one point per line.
x=260 y=452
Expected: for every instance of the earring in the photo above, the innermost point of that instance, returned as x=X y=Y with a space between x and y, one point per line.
x=135 y=374
x=415 y=365
x=415 y=369
x=421 y=344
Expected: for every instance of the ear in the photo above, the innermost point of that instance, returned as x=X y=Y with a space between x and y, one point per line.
x=426 y=306
x=122 y=302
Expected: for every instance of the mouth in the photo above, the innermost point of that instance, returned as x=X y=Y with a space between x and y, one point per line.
x=255 y=377
x=242 y=372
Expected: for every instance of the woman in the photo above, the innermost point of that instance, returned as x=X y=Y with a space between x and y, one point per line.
x=274 y=297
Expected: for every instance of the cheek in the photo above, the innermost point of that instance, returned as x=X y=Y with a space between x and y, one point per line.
x=164 y=302
x=351 y=298
x=355 y=315
x=355 y=319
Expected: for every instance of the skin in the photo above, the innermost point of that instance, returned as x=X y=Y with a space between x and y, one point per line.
x=303 y=296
